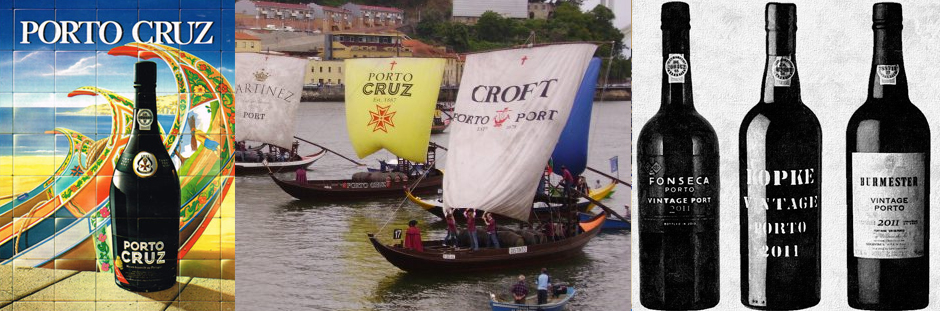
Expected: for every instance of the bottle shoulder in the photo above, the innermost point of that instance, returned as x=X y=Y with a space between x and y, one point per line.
x=671 y=131
x=902 y=114
x=797 y=116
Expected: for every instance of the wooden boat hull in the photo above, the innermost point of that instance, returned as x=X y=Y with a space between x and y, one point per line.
x=348 y=190
x=437 y=209
x=257 y=168
x=550 y=306
x=609 y=224
x=465 y=261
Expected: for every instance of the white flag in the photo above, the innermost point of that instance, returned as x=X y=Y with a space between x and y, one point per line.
x=267 y=92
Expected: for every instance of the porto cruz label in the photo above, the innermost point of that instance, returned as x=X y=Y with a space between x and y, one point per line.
x=888 y=205
x=783 y=71
x=143 y=261
x=781 y=207
x=676 y=67
x=888 y=74
x=144 y=119
x=676 y=201
x=145 y=164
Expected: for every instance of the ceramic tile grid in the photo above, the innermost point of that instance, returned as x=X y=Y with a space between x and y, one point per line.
x=55 y=140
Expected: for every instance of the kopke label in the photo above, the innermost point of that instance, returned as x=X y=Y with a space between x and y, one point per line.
x=888 y=205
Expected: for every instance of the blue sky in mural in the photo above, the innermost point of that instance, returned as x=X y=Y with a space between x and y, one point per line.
x=60 y=67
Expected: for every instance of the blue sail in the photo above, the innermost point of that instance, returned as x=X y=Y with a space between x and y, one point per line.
x=572 y=147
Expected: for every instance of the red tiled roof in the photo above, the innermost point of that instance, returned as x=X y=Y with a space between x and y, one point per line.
x=244 y=36
x=422 y=49
x=281 y=5
x=378 y=8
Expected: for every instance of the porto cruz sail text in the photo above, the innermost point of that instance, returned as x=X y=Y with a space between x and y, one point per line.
x=780 y=145
x=145 y=198
x=887 y=173
x=678 y=186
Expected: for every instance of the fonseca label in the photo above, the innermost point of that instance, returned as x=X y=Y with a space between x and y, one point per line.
x=111 y=32
x=888 y=74
x=783 y=71
x=144 y=119
x=145 y=164
x=676 y=67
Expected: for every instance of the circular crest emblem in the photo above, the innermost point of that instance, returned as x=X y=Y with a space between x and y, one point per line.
x=145 y=164
x=676 y=65
x=144 y=118
x=783 y=69
x=888 y=71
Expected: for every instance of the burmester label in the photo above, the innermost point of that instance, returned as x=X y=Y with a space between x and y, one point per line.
x=888 y=74
x=888 y=205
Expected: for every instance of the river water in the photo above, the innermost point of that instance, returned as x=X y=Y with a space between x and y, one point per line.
x=296 y=255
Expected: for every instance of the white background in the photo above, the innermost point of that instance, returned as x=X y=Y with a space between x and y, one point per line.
x=834 y=51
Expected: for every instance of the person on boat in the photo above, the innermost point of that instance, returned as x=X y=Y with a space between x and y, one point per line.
x=451 y=230
x=544 y=283
x=568 y=179
x=597 y=184
x=583 y=185
x=491 y=229
x=470 y=215
x=520 y=290
x=413 y=237
x=300 y=175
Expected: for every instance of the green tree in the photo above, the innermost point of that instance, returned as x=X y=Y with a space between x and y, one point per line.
x=493 y=27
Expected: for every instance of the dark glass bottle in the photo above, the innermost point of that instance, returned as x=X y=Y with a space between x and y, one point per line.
x=677 y=154
x=780 y=145
x=888 y=177
x=145 y=199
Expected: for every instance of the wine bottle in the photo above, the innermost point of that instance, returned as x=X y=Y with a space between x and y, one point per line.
x=145 y=199
x=780 y=146
x=678 y=186
x=888 y=177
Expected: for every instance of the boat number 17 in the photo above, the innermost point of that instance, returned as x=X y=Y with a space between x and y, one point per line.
x=396 y=234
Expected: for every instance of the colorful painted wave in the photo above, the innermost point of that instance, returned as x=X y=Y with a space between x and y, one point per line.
x=67 y=216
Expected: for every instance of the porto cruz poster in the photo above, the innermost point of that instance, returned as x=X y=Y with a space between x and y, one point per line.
x=66 y=112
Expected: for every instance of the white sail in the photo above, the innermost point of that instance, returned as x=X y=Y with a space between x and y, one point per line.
x=510 y=110
x=267 y=92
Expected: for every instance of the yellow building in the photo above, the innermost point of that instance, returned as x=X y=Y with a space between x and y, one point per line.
x=246 y=43
x=324 y=72
x=357 y=45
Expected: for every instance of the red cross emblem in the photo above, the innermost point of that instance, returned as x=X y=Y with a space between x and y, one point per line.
x=381 y=118
x=524 y=58
x=393 y=65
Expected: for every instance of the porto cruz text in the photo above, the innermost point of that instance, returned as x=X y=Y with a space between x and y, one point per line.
x=678 y=186
x=145 y=199
x=887 y=177
x=780 y=147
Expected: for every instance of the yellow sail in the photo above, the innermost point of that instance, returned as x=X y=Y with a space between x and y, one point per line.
x=390 y=104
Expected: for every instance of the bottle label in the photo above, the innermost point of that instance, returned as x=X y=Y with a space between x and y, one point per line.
x=783 y=71
x=144 y=119
x=676 y=67
x=145 y=164
x=782 y=206
x=670 y=201
x=888 y=205
x=888 y=74
x=143 y=261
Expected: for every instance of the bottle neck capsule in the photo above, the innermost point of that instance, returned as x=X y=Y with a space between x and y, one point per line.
x=888 y=79
x=677 y=73
x=145 y=110
x=781 y=77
